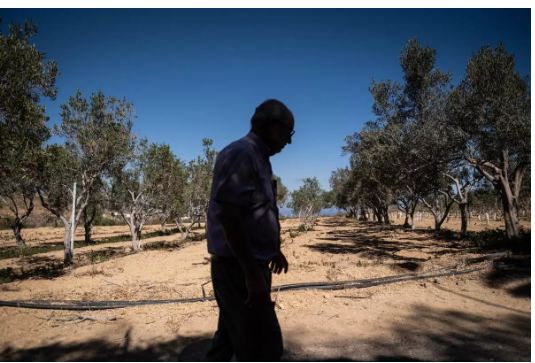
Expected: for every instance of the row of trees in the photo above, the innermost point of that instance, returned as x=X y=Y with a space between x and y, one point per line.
x=433 y=143
x=112 y=168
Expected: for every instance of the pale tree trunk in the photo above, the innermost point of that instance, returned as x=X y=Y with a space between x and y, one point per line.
x=439 y=216
x=80 y=203
x=163 y=221
x=408 y=207
x=510 y=192
x=135 y=231
x=184 y=231
x=462 y=201
x=68 y=252
x=136 y=238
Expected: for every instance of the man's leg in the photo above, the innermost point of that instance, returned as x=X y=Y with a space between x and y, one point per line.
x=254 y=332
x=221 y=347
x=264 y=333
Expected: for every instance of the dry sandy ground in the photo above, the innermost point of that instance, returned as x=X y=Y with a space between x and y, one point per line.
x=482 y=315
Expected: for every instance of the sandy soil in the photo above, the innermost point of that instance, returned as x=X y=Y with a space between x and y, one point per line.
x=484 y=315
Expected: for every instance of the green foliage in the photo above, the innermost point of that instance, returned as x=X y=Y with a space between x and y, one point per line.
x=200 y=171
x=25 y=76
x=168 y=177
x=282 y=192
x=59 y=169
x=492 y=107
x=98 y=131
x=308 y=200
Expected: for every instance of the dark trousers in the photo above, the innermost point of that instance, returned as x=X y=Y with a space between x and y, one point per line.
x=249 y=333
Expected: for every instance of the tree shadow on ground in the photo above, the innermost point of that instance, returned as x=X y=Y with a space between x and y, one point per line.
x=426 y=334
x=374 y=243
x=181 y=348
x=453 y=335
x=508 y=270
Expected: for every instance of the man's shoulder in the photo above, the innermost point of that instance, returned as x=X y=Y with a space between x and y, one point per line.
x=237 y=148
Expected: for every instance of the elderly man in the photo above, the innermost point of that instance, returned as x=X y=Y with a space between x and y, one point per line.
x=244 y=239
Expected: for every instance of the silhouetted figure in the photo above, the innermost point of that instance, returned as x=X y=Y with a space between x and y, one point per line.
x=244 y=239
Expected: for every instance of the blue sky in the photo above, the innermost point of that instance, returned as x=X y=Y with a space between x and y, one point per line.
x=200 y=73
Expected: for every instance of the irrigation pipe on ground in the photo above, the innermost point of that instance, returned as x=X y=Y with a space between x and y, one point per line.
x=329 y=285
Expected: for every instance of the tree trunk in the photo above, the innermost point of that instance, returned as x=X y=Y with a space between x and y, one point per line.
x=363 y=215
x=386 y=217
x=378 y=216
x=438 y=224
x=17 y=228
x=136 y=237
x=88 y=229
x=406 y=222
x=88 y=223
x=68 y=253
x=464 y=219
x=510 y=214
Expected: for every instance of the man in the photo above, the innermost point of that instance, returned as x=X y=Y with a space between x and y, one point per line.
x=244 y=239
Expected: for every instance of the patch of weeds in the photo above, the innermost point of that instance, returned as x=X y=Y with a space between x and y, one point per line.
x=196 y=237
x=112 y=239
x=98 y=256
x=12 y=252
x=294 y=234
x=6 y=275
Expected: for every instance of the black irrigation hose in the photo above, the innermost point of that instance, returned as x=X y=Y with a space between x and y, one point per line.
x=335 y=285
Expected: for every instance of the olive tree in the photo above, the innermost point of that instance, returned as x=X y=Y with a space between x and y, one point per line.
x=139 y=189
x=491 y=106
x=307 y=202
x=344 y=193
x=25 y=76
x=282 y=191
x=98 y=137
x=199 y=182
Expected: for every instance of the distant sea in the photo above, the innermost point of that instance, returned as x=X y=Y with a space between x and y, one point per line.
x=287 y=212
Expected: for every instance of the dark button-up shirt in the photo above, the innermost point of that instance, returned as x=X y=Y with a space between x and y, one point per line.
x=243 y=177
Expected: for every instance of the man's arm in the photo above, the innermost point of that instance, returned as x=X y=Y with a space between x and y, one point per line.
x=232 y=218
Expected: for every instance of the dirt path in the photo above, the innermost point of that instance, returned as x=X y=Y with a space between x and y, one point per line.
x=479 y=316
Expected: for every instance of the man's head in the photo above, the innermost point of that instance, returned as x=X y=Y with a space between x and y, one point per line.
x=273 y=122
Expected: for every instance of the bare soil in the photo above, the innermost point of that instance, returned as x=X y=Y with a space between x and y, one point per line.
x=484 y=315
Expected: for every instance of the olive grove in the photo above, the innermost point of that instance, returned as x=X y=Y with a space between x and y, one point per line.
x=431 y=142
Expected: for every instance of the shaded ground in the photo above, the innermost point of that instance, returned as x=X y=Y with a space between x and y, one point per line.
x=480 y=316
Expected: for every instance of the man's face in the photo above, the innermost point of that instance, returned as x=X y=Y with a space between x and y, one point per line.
x=280 y=134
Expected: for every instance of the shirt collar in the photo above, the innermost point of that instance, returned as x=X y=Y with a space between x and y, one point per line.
x=258 y=143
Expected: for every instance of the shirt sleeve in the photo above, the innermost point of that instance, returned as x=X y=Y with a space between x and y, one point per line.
x=236 y=179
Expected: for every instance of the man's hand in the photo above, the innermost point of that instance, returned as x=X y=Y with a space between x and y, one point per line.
x=278 y=263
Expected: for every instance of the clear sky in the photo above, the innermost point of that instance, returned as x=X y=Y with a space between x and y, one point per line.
x=200 y=73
